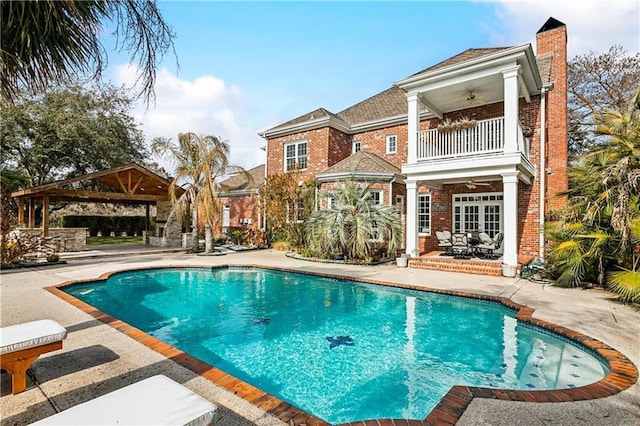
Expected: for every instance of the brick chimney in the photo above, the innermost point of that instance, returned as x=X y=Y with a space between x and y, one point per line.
x=551 y=45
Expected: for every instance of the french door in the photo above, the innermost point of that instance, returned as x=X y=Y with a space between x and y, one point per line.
x=478 y=212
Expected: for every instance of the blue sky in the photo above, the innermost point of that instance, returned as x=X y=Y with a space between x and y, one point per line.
x=247 y=66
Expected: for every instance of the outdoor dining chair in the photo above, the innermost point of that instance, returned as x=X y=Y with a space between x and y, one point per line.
x=444 y=241
x=459 y=245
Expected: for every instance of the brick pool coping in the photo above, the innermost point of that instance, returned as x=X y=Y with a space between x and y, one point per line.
x=622 y=375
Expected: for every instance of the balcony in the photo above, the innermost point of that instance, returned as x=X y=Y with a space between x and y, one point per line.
x=486 y=138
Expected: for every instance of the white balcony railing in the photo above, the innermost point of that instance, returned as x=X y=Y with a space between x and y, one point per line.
x=486 y=137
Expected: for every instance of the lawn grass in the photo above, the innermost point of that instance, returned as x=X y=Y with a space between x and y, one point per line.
x=113 y=240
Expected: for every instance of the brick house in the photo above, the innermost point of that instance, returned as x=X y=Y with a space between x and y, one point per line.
x=239 y=200
x=477 y=142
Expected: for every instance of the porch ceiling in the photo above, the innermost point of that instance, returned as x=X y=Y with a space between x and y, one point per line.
x=467 y=94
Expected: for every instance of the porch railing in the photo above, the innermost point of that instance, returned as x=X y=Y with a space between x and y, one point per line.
x=486 y=137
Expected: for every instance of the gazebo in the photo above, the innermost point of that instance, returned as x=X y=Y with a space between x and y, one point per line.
x=131 y=184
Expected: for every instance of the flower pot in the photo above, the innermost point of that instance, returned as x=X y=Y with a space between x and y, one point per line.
x=402 y=261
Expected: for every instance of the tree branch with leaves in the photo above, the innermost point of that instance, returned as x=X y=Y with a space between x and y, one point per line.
x=49 y=41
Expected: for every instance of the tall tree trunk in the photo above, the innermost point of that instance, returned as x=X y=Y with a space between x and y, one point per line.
x=208 y=239
x=194 y=230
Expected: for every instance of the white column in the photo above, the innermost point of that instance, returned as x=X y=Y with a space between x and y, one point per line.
x=510 y=77
x=413 y=125
x=510 y=242
x=412 y=216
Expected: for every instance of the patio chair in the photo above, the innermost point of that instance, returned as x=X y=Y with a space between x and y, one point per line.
x=157 y=400
x=487 y=246
x=459 y=245
x=497 y=240
x=22 y=344
x=444 y=241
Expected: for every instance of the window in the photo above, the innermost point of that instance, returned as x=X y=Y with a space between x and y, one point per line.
x=424 y=213
x=295 y=213
x=392 y=144
x=295 y=156
x=376 y=197
x=355 y=146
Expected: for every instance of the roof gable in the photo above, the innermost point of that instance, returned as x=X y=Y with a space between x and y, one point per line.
x=316 y=114
x=467 y=55
x=360 y=164
x=240 y=182
x=124 y=184
x=388 y=103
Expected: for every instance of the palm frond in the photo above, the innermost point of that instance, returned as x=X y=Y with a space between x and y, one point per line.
x=626 y=284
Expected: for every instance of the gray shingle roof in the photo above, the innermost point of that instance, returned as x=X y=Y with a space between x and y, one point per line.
x=465 y=56
x=240 y=182
x=361 y=162
x=388 y=103
x=313 y=115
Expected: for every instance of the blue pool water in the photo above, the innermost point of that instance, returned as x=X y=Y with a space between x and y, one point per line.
x=340 y=350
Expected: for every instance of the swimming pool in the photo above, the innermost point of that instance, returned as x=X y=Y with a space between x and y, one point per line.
x=340 y=350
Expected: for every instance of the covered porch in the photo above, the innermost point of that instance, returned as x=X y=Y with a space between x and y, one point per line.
x=476 y=196
x=485 y=146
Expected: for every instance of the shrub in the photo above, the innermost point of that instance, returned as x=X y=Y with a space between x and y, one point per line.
x=280 y=246
x=107 y=224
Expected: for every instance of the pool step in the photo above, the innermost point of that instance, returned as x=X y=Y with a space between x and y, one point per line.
x=470 y=266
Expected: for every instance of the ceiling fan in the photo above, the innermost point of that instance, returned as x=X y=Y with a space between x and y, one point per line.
x=474 y=98
x=471 y=184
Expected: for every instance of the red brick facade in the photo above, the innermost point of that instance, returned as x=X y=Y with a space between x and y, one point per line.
x=243 y=211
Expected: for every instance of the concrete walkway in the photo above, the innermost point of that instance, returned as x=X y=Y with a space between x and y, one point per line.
x=97 y=359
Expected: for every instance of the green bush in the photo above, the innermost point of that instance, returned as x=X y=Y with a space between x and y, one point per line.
x=107 y=224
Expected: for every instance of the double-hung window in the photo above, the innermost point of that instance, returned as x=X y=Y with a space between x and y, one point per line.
x=295 y=156
x=355 y=146
x=392 y=144
x=375 y=197
x=424 y=214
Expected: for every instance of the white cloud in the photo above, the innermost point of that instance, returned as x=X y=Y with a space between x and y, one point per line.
x=592 y=25
x=205 y=105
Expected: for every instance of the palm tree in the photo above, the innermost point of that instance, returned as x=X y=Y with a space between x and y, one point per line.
x=599 y=237
x=48 y=41
x=200 y=161
x=353 y=224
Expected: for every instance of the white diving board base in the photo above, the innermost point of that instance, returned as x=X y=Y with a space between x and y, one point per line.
x=157 y=400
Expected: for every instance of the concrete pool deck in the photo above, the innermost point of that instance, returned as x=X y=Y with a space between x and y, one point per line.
x=97 y=358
